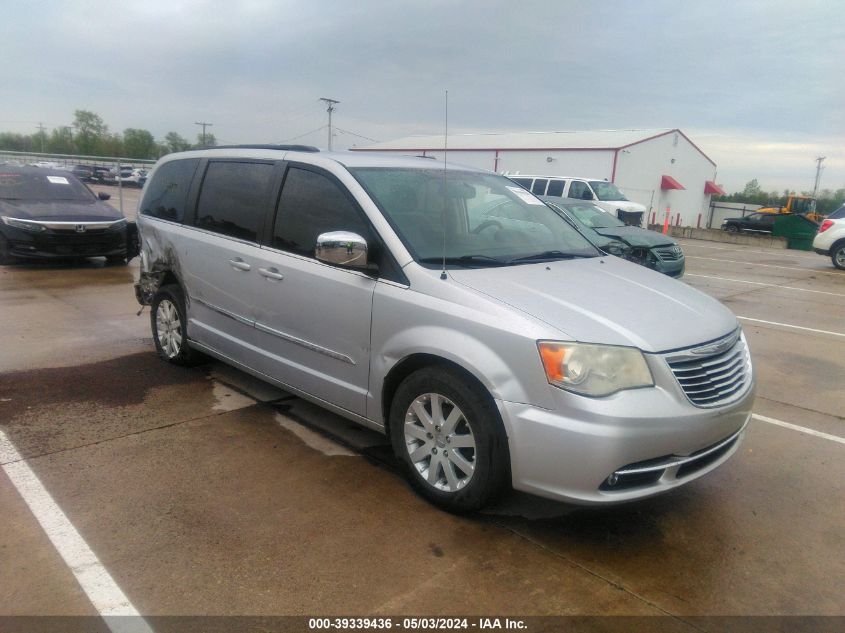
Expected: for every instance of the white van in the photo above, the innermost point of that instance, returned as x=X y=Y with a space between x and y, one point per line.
x=603 y=193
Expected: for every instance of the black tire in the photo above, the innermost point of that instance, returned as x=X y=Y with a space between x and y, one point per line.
x=116 y=260
x=732 y=228
x=837 y=256
x=5 y=257
x=489 y=455
x=168 y=299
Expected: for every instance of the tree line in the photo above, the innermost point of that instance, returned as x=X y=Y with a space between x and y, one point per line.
x=827 y=199
x=90 y=136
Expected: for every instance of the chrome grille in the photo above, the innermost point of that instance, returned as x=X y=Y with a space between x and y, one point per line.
x=714 y=374
x=668 y=253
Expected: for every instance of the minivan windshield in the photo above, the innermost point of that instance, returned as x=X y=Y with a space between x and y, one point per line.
x=607 y=191
x=488 y=219
x=42 y=187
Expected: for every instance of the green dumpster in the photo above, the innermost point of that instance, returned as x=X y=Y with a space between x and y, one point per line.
x=798 y=230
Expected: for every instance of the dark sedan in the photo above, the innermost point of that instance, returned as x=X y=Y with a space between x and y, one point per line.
x=752 y=223
x=50 y=214
x=644 y=247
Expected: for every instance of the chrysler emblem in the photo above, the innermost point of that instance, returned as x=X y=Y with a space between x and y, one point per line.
x=80 y=228
x=717 y=347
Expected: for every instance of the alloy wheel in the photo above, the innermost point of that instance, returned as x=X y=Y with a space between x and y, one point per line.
x=440 y=442
x=168 y=328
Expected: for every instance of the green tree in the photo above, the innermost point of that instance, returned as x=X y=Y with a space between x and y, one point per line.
x=90 y=131
x=752 y=189
x=15 y=142
x=61 y=141
x=138 y=144
x=176 y=143
x=210 y=141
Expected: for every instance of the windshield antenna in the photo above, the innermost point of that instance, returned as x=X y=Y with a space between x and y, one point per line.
x=445 y=195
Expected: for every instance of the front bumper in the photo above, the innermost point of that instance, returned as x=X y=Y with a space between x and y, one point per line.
x=672 y=268
x=628 y=446
x=822 y=251
x=64 y=244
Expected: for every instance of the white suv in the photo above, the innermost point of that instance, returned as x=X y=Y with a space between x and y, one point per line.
x=830 y=239
x=601 y=192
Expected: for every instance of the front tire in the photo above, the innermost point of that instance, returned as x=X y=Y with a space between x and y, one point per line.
x=447 y=433
x=837 y=256
x=732 y=228
x=169 y=325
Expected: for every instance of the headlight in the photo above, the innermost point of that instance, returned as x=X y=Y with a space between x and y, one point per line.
x=23 y=225
x=594 y=370
x=119 y=225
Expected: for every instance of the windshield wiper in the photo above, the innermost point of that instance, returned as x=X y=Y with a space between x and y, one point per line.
x=547 y=255
x=466 y=260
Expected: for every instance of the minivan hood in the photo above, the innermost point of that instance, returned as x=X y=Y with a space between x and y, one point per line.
x=606 y=300
x=59 y=210
x=635 y=236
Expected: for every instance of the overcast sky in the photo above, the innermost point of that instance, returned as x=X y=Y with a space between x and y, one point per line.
x=759 y=86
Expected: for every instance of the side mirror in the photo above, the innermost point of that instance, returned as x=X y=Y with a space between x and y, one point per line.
x=104 y=196
x=342 y=248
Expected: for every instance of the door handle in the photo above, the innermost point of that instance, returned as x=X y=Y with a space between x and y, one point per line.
x=239 y=264
x=271 y=273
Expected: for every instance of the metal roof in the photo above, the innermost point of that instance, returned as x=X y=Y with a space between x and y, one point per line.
x=592 y=139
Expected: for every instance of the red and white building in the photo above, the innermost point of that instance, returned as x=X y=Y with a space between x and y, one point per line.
x=657 y=168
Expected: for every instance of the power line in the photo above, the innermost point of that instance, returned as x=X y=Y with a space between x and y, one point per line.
x=366 y=138
x=293 y=138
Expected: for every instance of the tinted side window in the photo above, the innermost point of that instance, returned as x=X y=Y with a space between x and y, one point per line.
x=166 y=196
x=555 y=188
x=233 y=198
x=539 y=187
x=524 y=182
x=311 y=204
x=577 y=190
x=838 y=214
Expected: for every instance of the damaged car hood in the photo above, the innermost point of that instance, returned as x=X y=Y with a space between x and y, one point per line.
x=636 y=236
x=589 y=300
x=59 y=210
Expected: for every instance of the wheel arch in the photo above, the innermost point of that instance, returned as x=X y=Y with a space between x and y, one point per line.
x=414 y=362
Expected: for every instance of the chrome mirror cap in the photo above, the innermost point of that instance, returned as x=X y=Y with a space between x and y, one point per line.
x=343 y=248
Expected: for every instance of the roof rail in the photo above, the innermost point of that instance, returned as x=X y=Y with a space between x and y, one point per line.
x=292 y=148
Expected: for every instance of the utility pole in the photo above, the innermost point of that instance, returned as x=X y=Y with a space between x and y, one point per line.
x=41 y=134
x=330 y=103
x=204 y=125
x=819 y=160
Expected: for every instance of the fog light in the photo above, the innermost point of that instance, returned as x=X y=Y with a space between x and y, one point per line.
x=613 y=479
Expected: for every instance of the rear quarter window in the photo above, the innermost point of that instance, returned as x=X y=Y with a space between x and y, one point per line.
x=839 y=214
x=166 y=196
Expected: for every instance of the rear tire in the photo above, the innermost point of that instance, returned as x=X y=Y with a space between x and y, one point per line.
x=168 y=321
x=448 y=436
x=837 y=256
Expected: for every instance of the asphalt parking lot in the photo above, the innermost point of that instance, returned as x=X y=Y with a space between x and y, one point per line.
x=200 y=492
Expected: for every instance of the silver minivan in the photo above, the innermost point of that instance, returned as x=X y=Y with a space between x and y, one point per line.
x=492 y=352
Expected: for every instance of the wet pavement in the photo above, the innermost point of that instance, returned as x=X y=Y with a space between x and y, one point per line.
x=202 y=491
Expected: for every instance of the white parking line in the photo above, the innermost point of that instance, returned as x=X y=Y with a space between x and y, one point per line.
x=796 y=327
x=733 y=261
x=774 y=251
x=802 y=429
x=758 y=283
x=94 y=579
